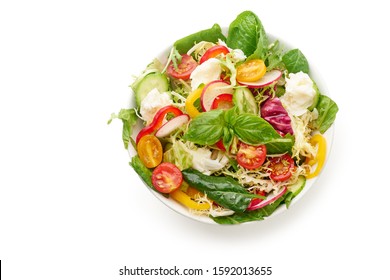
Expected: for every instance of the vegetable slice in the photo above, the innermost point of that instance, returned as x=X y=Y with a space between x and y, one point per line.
x=150 y=151
x=268 y=79
x=251 y=71
x=172 y=125
x=213 y=52
x=184 y=69
x=166 y=177
x=211 y=91
x=270 y=198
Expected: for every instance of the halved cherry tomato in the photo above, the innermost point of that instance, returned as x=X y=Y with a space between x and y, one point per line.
x=158 y=121
x=251 y=157
x=281 y=167
x=184 y=69
x=150 y=151
x=223 y=101
x=213 y=52
x=251 y=70
x=166 y=177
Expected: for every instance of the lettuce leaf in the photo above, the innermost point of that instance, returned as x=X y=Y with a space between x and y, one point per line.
x=129 y=119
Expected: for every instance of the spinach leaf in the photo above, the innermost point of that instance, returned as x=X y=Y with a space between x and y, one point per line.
x=207 y=128
x=225 y=191
x=254 y=130
x=327 y=110
x=143 y=172
x=129 y=119
x=210 y=35
x=247 y=33
x=250 y=216
x=295 y=61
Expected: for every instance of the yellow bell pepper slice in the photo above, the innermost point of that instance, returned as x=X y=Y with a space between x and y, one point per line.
x=319 y=159
x=192 y=97
x=186 y=200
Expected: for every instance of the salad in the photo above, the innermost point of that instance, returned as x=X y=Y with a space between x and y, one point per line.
x=232 y=125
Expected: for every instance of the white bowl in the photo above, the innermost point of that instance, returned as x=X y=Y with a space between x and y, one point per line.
x=309 y=182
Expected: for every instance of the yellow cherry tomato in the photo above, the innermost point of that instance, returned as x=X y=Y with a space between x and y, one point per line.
x=150 y=151
x=192 y=97
x=319 y=140
x=251 y=70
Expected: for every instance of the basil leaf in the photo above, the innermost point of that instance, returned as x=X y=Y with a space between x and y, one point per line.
x=227 y=139
x=281 y=145
x=295 y=61
x=206 y=128
x=254 y=130
x=327 y=110
x=225 y=191
x=247 y=33
x=129 y=119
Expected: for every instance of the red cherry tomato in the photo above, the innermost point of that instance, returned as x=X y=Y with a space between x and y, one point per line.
x=251 y=157
x=184 y=69
x=213 y=52
x=223 y=101
x=281 y=167
x=166 y=177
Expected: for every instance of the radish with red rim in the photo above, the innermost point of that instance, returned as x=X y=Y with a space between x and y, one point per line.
x=211 y=91
x=269 y=78
x=166 y=129
x=257 y=203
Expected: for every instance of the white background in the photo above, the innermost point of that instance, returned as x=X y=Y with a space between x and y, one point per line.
x=72 y=208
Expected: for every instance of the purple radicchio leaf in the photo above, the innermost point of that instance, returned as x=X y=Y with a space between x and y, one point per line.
x=274 y=113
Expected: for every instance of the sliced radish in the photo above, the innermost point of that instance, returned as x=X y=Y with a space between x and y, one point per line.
x=171 y=125
x=257 y=203
x=269 y=78
x=211 y=91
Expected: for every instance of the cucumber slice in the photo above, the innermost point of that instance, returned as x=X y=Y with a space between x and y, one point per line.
x=245 y=101
x=298 y=186
x=149 y=82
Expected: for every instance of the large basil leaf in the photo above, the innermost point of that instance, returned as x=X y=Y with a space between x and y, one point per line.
x=207 y=128
x=295 y=61
x=225 y=191
x=254 y=130
x=327 y=110
x=247 y=33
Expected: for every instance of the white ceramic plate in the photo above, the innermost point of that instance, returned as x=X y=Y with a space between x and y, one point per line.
x=314 y=74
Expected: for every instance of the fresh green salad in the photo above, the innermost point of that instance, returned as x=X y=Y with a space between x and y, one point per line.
x=232 y=123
